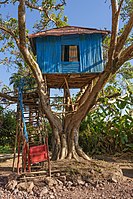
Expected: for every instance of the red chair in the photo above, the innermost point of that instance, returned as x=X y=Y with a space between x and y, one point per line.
x=38 y=154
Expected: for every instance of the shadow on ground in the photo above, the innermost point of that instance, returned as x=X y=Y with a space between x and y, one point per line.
x=127 y=172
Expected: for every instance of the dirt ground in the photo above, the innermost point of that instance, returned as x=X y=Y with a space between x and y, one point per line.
x=102 y=177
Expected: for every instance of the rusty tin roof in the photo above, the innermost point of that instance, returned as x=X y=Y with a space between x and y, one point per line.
x=68 y=30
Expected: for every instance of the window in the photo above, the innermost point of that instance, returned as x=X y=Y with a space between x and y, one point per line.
x=69 y=53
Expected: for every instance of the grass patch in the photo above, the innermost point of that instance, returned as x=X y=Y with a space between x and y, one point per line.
x=5 y=149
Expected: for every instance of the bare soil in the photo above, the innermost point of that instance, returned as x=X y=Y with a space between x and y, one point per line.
x=102 y=177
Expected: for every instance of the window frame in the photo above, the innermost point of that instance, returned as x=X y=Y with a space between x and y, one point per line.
x=66 y=53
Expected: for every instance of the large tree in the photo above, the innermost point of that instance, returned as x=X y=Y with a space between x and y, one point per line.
x=65 y=131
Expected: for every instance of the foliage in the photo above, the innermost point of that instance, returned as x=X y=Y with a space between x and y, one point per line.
x=50 y=14
x=126 y=9
x=7 y=127
x=29 y=80
x=5 y=149
x=109 y=128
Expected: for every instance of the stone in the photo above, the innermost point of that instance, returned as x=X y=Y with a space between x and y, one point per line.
x=72 y=188
x=92 y=171
x=44 y=191
x=22 y=186
x=113 y=178
x=86 y=185
x=50 y=181
x=57 y=174
x=26 y=186
x=15 y=191
x=113 y=197
x=62 y=178
x=69 y=183
x=80 y=182
x=59 y=194
x=12 y=176
x=11 y=184
x=52 y=196
x=60 y=182
x=53 y=189
x=60 y=187
x=31 y=185
x=86 y=178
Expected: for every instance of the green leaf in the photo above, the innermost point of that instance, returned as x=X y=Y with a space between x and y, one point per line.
x=121 y=104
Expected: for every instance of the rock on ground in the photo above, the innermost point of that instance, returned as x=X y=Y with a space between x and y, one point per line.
x=56 y=189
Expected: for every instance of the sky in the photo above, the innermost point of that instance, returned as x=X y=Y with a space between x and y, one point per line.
x=83 y=13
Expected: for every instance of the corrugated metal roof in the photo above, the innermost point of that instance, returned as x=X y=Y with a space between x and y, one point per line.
x=68 y=30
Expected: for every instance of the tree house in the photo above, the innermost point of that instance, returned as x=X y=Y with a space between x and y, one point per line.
x=73 y=53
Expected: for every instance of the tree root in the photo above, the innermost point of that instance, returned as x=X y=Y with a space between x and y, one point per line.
x=82 y=154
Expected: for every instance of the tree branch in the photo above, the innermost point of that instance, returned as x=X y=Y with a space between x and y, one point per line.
x=79 y=115
x=35 y=67
x=42 y=8
x=85 y=94
x=59 y=5
x=126 y=55
x=24 y=50
x=21 y=23
x=33 y=6
x=122 y=39
x=3 y=2
x=120 y=6
x=100 y=100
x=8 y=31
x=115 y=20
x=127 y=52
x=103 y=78
x=14 y=98
x=8 y=97
x=45 y=9
x=114 y=95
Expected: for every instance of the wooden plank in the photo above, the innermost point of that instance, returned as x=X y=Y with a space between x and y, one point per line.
x=74 y=80
x=28 y=175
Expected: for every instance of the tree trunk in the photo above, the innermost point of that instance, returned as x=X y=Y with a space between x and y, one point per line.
x=65 y=144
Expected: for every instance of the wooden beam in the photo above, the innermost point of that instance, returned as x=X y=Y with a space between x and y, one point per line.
x=69 y=95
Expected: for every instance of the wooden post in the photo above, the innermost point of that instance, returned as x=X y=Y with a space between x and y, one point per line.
x=24 y=155
x=29 y=163
x=16 y=137
x=19 y=143
x=49 y=163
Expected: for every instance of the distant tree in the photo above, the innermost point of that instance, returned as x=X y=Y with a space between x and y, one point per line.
x=120 y=50
x=1 y=116
x=7 y=127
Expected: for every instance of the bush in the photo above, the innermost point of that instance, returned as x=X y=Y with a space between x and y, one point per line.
x=8 y=127
x=109 y=129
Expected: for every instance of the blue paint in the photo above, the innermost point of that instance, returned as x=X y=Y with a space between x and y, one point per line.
x=48 y=51
x=91 y=53
x=20 y=98
x=48 y=54
x=72 y=67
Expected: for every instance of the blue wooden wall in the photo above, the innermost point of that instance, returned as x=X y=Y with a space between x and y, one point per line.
x=48 y=51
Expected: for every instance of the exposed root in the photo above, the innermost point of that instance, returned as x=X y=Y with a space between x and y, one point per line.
x=55 y=153
x=63 y=153
x=75 y=156
x=82 y=154
x=69 y=156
